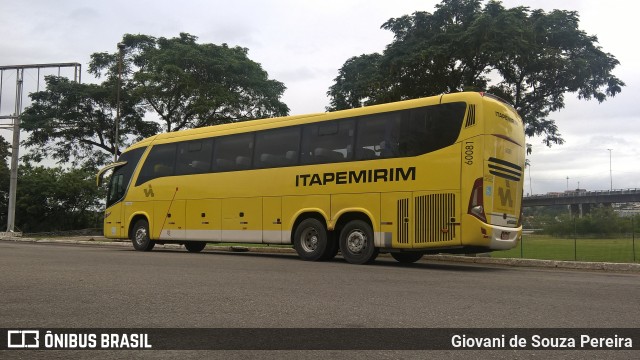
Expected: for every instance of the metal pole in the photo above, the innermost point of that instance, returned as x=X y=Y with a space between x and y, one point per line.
x=575 y=241
x=633 y=237
x=1 y=79
x=13 y=181
x=610 y=172
x=117 y=125
x=530 y=185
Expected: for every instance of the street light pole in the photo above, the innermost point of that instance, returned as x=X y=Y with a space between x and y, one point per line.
x=121 y=47
x=610 y=173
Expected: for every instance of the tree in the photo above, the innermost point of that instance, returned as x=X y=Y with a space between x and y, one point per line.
x=192 y=85
x=185 y=83
x=76 y=122
x=56 y=199
x=358 y=83
x=529 y=57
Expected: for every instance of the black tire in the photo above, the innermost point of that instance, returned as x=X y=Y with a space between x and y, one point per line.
x=407 y=257
x=140 y=236
x=195 y=246
x=356 y=243
x=310 y=240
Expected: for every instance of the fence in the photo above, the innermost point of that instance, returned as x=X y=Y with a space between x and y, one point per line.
x=620 y=248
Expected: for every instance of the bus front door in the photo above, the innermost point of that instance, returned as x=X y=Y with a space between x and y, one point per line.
x=113 y=225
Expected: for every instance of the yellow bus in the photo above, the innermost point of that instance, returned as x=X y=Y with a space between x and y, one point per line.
x=442 y=174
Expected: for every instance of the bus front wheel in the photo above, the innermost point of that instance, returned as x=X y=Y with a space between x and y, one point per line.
x=356 y=243
x=310 y=240
x=407 y=258
x=140 y=236
x=195 y=246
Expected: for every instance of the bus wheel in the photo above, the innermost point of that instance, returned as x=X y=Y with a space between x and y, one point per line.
x=356 y=243
x=140 y=236
x=408 y=257
x=195 y=246
x=310 y=240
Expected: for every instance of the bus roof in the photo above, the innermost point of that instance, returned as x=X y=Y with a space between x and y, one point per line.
x=266 y=123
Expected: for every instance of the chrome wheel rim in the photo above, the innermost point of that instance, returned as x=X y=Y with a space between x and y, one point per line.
x=356 y=241
x=309 y=240
x=141 y=236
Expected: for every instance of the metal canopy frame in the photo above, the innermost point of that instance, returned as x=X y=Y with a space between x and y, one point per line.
x=15 y=126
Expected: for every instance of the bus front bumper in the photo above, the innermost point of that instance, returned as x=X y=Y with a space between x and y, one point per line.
x=503 y=238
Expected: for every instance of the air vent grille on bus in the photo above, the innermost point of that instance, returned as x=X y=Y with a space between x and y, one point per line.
x=403 y=221
x=433 y=218
x=471 y=116
x=504 y=169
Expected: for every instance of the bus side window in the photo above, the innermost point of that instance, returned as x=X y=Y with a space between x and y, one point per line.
x=194 y=157
x=277 y=148
x=233 y=152
x=159 y=163
x=328 y=142
x=373 y=135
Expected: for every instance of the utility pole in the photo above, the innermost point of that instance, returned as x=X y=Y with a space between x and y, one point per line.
x=121 y=47
x=13 y=177
x=610 y=172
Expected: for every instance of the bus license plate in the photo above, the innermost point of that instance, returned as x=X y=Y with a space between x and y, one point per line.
x=505 y=235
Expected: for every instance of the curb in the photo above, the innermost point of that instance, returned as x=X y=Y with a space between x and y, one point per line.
x=514 y=262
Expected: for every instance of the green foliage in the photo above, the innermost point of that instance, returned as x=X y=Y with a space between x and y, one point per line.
x=358 y=83
x=529 y=57
x=184 y=83
x=192 y=85
x=50 y=199
x=76 y=122
x=601 y=221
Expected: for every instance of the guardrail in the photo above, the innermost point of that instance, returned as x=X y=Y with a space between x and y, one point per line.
x=574 y=193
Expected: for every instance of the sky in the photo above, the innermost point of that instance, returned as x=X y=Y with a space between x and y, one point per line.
x=304 y=43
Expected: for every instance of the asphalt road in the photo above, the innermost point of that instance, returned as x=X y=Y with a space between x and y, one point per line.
x=48 y=285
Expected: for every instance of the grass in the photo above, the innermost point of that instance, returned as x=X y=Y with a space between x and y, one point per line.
x=546 y=247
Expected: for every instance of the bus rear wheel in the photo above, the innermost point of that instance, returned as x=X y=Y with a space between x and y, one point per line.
x=140 y=236
x=356 y=243
x=195 y=246
x=310 y=240
x=407 y=257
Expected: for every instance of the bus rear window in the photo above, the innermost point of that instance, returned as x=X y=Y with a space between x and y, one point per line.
x=409 y=132
x=431 y=128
